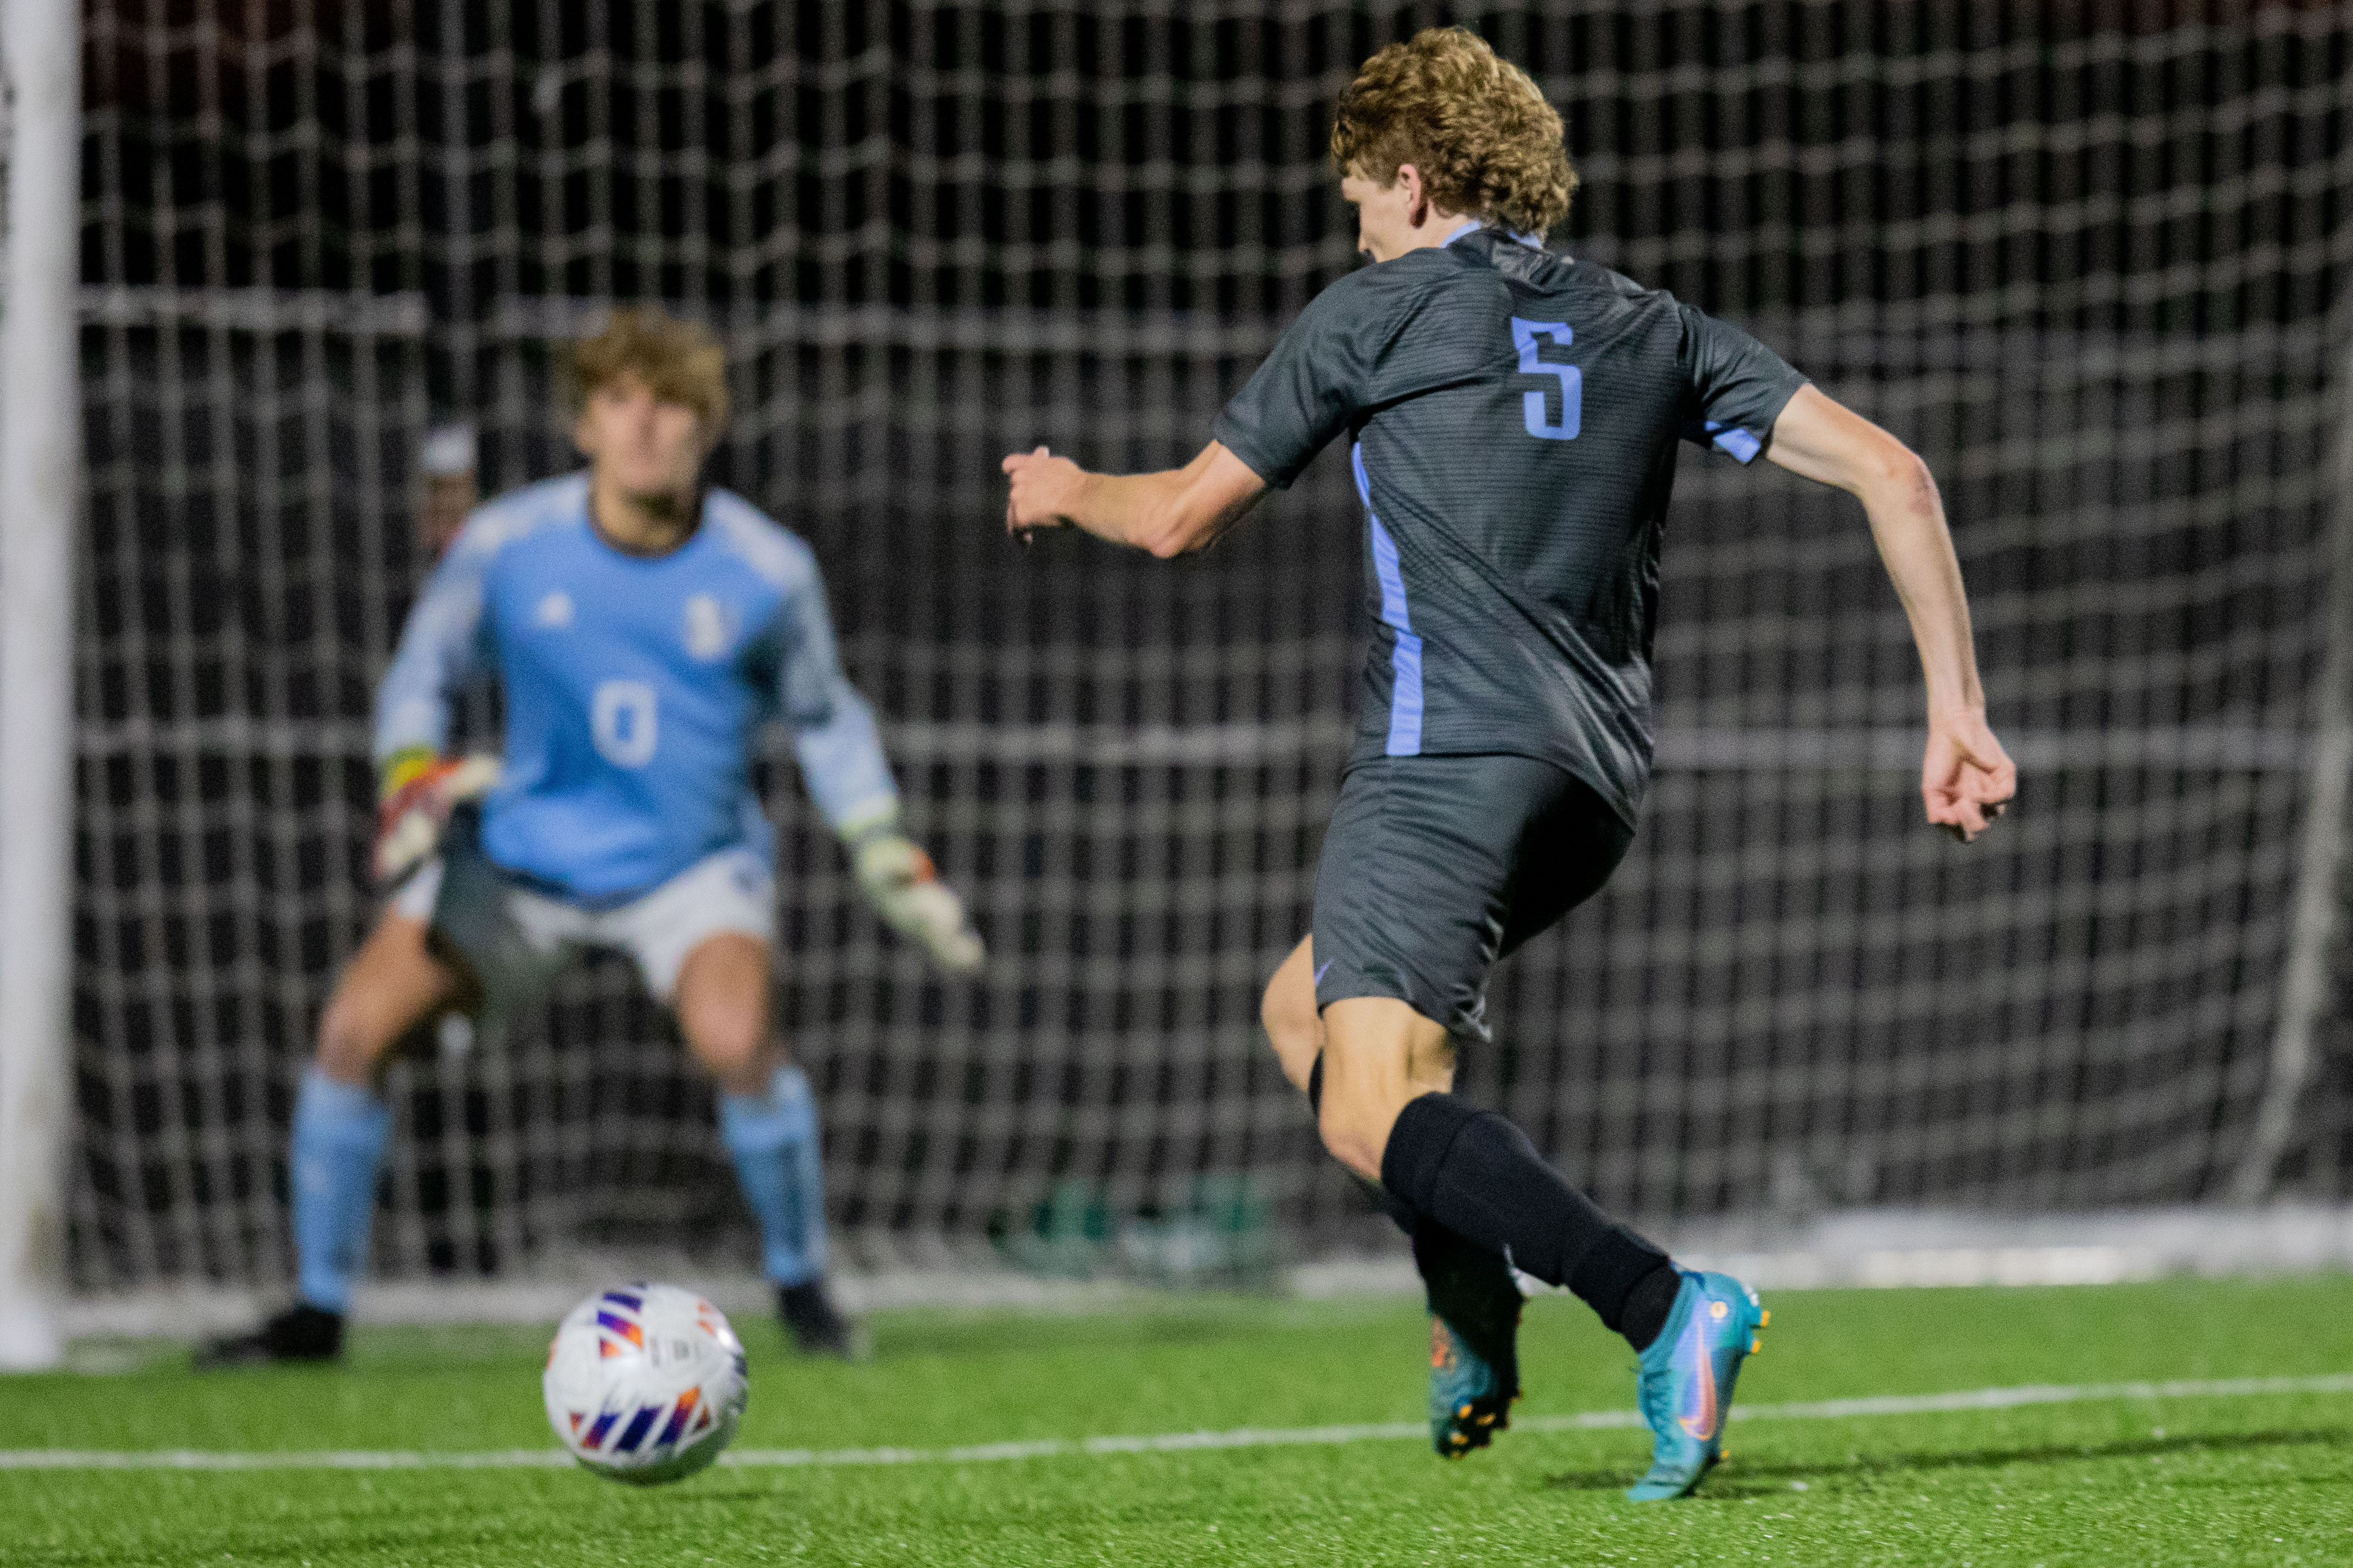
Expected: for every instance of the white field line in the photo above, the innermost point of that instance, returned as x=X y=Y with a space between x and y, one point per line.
x=1166 y=1442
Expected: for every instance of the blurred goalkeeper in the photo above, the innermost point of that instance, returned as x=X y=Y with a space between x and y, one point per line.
x=643 y=629
x=1514 y=415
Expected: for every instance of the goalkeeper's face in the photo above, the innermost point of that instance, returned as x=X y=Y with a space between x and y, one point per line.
x=641 y=446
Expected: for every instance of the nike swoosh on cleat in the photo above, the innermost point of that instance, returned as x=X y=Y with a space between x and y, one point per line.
x=1700 y=1426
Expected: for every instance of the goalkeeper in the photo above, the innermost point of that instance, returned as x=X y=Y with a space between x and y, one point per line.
x=643 y=629
x=1514 y=415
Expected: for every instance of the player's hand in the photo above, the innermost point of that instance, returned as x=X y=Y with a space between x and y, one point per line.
x=1044 y=489
x=899 y=879
x=1965 y=778
x=420 y=791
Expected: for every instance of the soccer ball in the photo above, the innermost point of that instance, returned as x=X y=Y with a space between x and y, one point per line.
x=645 y=1383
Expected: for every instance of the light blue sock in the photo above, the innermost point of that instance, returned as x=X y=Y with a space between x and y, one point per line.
x=773 y=1138
x=339 y=1136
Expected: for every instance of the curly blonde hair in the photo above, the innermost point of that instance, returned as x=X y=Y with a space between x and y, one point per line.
x=1475 y=125
x=680 y=362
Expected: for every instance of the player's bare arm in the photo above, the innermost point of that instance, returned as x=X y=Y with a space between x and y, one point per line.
x=1965 y=778
x=1177 y=511
x=1168 y=513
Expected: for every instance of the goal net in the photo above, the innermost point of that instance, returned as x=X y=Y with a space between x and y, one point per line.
x=2088 y=263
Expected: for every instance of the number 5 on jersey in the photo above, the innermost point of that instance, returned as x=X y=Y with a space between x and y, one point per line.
x=622 y=722
x=1532 y=338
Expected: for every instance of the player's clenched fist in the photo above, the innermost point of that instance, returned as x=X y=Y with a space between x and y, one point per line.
x=1045 y=490
x=419 y=790
x=1965 y=778
x=899 y=879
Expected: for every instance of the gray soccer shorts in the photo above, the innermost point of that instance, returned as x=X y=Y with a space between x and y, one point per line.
x=1436 y=867
x=516 y=938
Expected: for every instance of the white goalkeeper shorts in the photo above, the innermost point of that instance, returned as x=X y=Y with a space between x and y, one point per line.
x=517 y=938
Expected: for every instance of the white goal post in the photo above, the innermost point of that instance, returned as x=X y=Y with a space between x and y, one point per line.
x=2307 y=977
x=40 y=407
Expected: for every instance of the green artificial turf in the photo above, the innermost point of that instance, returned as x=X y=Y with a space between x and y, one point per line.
x=2242 y=1479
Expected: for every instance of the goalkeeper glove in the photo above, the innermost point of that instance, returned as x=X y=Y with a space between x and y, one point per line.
x=899 y=880
x=418 y=793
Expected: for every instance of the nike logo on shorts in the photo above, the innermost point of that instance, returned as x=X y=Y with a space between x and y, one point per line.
x=1320 y=969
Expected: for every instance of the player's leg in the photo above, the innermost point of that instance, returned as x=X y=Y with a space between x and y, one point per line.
x=1434 y=867
x=341 y=1122
x=1293 y=1026
x=1426 y=864
x=767 y=1118
x=456 y=931
x=1474 y=1303
x=1476 y=1173
x=1474 y=1298
x=703 y=941
x=394 y=983
x=721 y=1000
x=1388 y=1115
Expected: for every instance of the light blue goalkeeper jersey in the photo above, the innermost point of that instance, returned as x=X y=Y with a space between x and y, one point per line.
x=634 y=687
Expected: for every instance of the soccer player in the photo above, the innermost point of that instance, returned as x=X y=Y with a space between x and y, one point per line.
x=1513 y=417
x=643 y=628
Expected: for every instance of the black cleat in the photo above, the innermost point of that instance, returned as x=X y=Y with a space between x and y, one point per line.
x=816 y=1324
x=1474 y=1329
x=301 y=1334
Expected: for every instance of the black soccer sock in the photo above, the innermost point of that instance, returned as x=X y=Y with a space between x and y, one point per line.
x=1381 y=1198
x=1468 y=1285
x=1477 y=1175
x=1472 y=1289
x=1648 y=1304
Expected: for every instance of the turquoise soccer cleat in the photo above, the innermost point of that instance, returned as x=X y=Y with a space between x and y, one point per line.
x=1470 y=1395
x=1686 y=1381
x=1474 y=1330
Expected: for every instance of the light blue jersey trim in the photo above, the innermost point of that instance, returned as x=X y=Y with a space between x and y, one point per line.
x=1405 y=659
x=1732 y=440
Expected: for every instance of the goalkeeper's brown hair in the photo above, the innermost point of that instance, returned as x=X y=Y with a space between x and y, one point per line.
x=1475 y=125
x=680 y=362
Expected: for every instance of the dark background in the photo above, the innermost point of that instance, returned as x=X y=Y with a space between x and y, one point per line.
x=2088 y=258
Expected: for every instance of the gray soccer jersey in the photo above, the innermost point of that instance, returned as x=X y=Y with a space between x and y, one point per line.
x=1514 y=416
